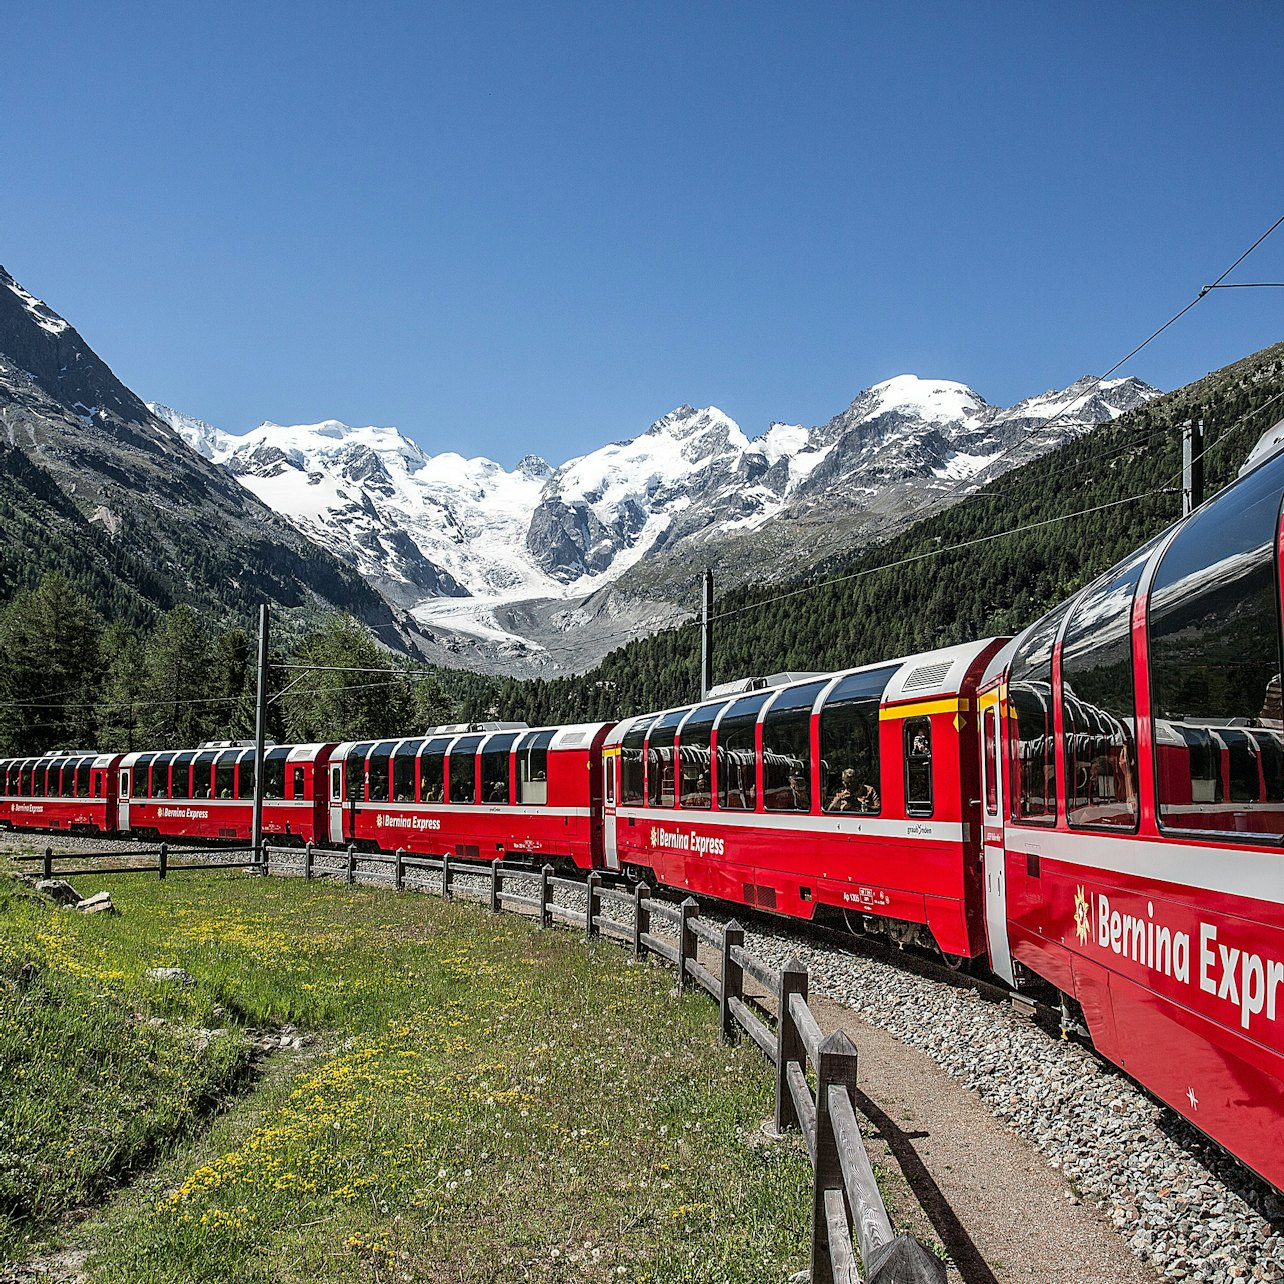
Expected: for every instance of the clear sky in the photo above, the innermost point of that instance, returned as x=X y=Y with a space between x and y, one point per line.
x=536 y=227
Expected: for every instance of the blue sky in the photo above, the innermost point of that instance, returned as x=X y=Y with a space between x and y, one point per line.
x=511 y=228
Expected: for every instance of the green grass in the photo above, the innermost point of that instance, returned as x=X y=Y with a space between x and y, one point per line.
x=480 y=1100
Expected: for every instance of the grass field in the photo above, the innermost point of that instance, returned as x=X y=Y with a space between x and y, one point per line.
x=475 y=1099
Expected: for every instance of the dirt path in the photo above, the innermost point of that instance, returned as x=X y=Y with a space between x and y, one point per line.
x=953 y=1173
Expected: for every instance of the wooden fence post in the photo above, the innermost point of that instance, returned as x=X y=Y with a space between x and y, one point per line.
x=687 y=943
x=399 y=870
x=352 y=863
x=641 y=918
x=593 y=885
x=307 y=861
x=496 y=879
x=162 y=867
x=789 y=1042
x=733 y=980
x=545 y=896
x=836 y=1068
x=445 y=876
x=48 y=862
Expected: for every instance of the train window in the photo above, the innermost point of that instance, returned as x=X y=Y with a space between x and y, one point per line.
x=1099 y=703
x=245 y=769
x=532 y=767
x=918 y=766
x=849 y=758
x=160 y=775
x=494 y=768
x=462 y=765
x=991 y=764
x=786 y=749
x=608 y=771
x=632 y=772
x=736 y=758
x=66 y=780
x=1034 y=758
x=1215 y=664
x=298 y=789
x=357 y=771
x=124 y=784
x=695 y=758
x=274 y=764
x=203 y=774
x=403 y=771
x=379 y=772
x=225 y=775
x=660 y=774
x=432 y=770
x=180 y=775
x=38 y=777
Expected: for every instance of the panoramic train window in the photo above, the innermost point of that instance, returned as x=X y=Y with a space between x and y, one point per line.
x=494 y=768
x=786 y=749
x=403 y=771
x=274 y=772
x=160 y=775
x=379 y=772
x=39 y=778
x=1215 y=667
x=463 y=770
x=737 y=755
x=67 y=779
x=532 y=767
x=660 y=774
x=695 y=758
x=245 y=769
x=849 y=759
x=181 y=776
x=202 y=771
x=918 y=766
x=1099 y=702
x=1034 y=758
x=432 y=770
x=632 y=771
x=225 y=774
x=356 y=771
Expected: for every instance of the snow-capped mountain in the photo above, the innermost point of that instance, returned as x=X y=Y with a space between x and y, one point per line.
x=462 y=541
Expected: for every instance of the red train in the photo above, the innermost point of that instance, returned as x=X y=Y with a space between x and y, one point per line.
x=1098 y=802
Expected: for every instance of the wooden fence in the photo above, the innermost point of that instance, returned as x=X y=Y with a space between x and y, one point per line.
x=852 y=1240
x=51 y=862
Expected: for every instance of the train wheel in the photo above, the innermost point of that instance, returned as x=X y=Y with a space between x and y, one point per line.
x=960 y=963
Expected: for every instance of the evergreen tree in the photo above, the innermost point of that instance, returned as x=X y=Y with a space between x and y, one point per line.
x=179 y=707
x=122 y=662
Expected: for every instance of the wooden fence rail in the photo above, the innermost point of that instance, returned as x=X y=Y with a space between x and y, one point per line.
x=852 y=1239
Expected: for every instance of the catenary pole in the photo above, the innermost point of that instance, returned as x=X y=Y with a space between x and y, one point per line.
x=1192 y=466
x=260 y=735
x=706 y=637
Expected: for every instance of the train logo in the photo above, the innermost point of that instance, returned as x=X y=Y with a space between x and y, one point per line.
x=1082 y=916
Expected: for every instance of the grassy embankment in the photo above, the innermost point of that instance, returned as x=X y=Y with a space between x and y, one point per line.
x=478 y=1100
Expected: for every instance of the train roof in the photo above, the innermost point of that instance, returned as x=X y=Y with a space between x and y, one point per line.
x=571 y=736
x=293 y=753
x=926 y=676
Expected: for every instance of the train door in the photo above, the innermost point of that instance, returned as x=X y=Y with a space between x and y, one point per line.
x=336 y=802
x=994 y=851
x=122 y=802
x=610 y=772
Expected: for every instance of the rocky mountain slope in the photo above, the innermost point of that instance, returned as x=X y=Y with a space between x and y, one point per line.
x=546 y=568
x=93 y=483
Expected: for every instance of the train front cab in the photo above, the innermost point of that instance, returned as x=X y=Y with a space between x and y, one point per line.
x=476 y=795
x=1134 y=814
x=854 y=791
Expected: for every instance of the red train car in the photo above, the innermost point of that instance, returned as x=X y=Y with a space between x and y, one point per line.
x=208 y=793
x=853 y=792
x=1134 y=815
x=479 y=795
x=72 y=791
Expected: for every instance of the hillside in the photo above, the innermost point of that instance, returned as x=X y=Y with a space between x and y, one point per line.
x=945 y=579
x=93 y=484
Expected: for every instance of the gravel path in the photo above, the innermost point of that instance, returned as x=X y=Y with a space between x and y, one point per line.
x=1178 y=1202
